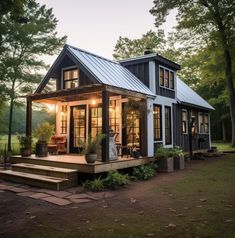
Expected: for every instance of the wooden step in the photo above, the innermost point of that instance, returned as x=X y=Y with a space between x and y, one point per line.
x=35 y=180
x=71 y=174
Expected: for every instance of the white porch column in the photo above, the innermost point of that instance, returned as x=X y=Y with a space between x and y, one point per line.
x=150 y=142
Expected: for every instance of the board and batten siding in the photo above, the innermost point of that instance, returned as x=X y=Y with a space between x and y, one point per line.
x=182 y=139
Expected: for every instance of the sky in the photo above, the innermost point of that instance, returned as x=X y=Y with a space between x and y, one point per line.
x=95 y=25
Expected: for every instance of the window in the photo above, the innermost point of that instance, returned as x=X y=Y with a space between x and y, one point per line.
x=71 y=78
x=133 y=129
x=172 y=80
x=161 y=76
x=95 y=121
x=166 y=78
x=184 y=121
x=157 y=121
x=64 y=119
x=114 y=120
x=203 y=122
x=167 y=125
x=194 y=126
x=206 y=123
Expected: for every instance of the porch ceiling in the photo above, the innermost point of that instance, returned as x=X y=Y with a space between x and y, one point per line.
x=83 y=93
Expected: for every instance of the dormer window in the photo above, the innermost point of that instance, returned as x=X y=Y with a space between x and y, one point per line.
x=166 y=78
x=71 y=78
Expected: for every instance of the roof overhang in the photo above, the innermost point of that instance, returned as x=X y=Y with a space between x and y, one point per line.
x=195 y=106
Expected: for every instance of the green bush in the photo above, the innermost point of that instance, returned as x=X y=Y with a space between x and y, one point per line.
x=95 y=185
x=162 y=152
x=44 y=131
x=177 y=151
x=144 y=172
x=114 y=179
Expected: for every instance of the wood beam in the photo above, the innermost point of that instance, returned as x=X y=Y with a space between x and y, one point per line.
x=29 y=117
x=105 y=125
x=143 y=130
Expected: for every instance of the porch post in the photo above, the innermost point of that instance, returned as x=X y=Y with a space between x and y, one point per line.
x=105 y=126
x=29 y=117
x=143 y=130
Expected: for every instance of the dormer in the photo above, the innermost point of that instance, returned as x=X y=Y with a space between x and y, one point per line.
x=156 y=72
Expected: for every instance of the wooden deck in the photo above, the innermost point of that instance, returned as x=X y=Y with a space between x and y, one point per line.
x=79 y=163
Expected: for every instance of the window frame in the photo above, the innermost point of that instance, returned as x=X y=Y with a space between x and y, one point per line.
x=69 y=80
x=186 y=121
x=64 y=120
x=170 y=72
x=160 y=128
x=203 y=123
x=170 y=124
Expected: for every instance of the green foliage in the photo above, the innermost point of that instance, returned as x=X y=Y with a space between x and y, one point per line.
x=114 y=179
x=93 y=144
x=25 y=141
x=43 y=132
x=126 y=48
x=162 y=152
x=176 y=151
x=95 y=185
x=144 y=172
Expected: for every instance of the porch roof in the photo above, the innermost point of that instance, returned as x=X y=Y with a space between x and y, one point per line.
x=187 y=96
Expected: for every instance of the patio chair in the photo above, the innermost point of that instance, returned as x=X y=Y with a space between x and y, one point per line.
x=57 y=145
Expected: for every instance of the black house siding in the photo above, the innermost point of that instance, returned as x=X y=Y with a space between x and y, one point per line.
x=181 y=139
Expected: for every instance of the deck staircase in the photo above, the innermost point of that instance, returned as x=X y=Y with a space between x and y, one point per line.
x=41 y=176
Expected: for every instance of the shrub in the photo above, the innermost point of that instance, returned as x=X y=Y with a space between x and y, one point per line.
x=96 y=185
x=44 y=131
x=25 y=141
x=94 y=143
x=114 y=179
x=177 y=151
x=144 y=172
x=162 y=152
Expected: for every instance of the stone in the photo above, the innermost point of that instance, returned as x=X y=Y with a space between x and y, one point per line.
x=203 y=199
x=60 y=194
x=57 y=201
x=16 y=189
x=80 y=200
x=39 y=195
x=25 y=194
x=150 y=234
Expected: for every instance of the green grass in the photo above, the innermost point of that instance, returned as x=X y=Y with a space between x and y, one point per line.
x=14 y=144
x=222 y=146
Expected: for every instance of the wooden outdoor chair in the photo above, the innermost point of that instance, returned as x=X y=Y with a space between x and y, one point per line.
x=57 y=145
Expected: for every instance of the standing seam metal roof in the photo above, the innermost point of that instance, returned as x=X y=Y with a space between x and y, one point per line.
x=188 y=96
x=109 y=72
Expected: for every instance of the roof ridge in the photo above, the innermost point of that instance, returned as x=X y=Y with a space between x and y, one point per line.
x=87 y=52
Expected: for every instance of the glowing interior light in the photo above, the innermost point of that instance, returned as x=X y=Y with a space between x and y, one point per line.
x=93 y=102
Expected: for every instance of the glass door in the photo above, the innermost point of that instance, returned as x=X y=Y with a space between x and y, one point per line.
x=77 y=128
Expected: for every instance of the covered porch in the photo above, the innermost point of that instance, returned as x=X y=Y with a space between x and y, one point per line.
x=95 y=104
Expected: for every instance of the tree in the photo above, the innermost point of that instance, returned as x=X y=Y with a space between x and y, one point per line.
x=126 y=48
x=24 y=43
x=206 y=21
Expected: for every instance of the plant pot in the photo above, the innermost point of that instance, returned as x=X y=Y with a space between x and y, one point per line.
x=179 y=162
x=25 y=152
x=165 y=164
x=136 y=154
x=41 y=149
x=90 y=158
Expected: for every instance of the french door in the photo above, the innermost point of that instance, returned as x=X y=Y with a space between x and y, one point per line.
x=77 y=128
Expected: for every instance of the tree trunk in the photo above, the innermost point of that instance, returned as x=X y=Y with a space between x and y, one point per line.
x=223 y=131
x=10 y=125
x=231 y=93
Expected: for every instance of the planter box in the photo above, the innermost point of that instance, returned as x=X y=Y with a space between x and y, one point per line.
x=179 y=162
x=165 y=164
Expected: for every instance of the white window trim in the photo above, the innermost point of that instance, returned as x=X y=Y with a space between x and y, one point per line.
x=62 y=73
x=165 y=68
x=185 y=110
x=203 y=121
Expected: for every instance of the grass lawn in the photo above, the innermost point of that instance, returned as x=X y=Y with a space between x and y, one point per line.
x=14 y=143
x=198 y=202
x=222 y=146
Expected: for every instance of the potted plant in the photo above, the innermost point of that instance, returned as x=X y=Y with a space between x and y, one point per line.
x=178 y=157
x=165 y=159
x=25 y=145
x=43 y=133
x=92 y=148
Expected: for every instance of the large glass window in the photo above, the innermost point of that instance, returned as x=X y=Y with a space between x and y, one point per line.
x=64 y=119
x=184 y=121
x=166 y=78
x=200 y=122
x=114 y=118
x=206 y=123
x=168 y=125
x=79 y=126
x=71 y=78
x=95 y=121
x=157 y=122
x=133 y=129
x=195 y=124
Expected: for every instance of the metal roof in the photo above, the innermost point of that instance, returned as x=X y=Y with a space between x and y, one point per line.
x=185 y=95
x=109 y=72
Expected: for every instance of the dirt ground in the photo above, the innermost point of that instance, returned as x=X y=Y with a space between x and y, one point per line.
x=196 y=202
